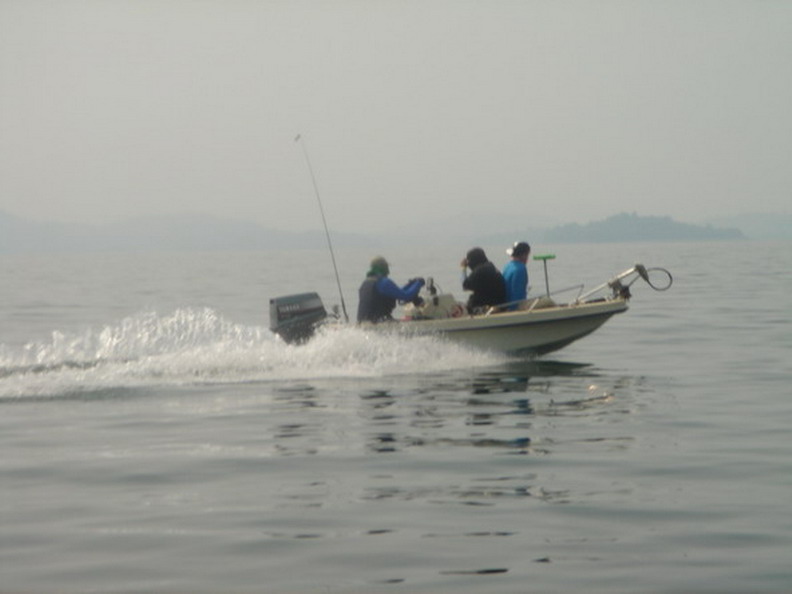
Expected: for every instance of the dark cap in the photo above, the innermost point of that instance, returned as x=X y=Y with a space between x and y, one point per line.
x=520 y=248
x=475 y=257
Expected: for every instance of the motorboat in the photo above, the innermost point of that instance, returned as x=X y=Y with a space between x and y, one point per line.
x=533 y=326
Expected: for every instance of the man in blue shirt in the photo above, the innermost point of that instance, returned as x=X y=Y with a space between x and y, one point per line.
x=379 y=294
x=515 y=273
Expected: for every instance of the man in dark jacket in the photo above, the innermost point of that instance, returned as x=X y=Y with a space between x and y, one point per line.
x=484 y=280
x=379 y=294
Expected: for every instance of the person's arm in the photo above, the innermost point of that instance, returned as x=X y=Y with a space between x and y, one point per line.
x=470 y=281
x=390 y=289
x=523 y=276
x=516 y=279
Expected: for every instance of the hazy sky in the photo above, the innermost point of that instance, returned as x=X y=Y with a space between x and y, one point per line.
x=535 y=111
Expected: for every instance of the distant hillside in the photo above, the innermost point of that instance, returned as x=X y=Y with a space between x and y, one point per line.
x=195 y=232
x=773 y=226
x=191 y=232
x=22 y=235
x=631 y=227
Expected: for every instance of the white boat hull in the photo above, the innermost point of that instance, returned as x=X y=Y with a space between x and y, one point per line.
x=538 y=331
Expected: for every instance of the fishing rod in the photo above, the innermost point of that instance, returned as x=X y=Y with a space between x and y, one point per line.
x=299 y=139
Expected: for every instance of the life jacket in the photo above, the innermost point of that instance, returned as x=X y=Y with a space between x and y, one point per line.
x=373 y=306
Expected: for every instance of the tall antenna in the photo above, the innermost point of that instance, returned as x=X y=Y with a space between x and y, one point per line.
x=300 y=140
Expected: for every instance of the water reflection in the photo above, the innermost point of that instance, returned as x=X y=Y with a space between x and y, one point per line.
x=511 y=409
x=492 y=447
x=487 y=408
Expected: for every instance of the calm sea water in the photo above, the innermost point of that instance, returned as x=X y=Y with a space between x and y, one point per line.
x=157 y=438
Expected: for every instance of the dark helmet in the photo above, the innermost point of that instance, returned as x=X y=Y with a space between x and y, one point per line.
x=476 y=257
x=379 y=267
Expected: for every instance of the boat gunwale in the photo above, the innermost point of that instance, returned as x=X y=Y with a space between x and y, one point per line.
x=510 y=319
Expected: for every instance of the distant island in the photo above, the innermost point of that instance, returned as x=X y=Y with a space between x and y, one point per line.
x=198 y=232
x=631 y=227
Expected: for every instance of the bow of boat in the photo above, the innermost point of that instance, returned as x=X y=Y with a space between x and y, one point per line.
x=535 y=331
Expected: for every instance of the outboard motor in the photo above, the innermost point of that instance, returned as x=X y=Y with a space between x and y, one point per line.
x=294 y=317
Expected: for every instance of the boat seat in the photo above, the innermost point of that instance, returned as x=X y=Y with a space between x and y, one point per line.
x=538 y=303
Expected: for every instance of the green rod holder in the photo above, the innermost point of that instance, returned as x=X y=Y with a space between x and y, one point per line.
x=544 y=258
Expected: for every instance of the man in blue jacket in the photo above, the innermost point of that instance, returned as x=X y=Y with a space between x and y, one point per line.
x=379 y=294
x=515 y=273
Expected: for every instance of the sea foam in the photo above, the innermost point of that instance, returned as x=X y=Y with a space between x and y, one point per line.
x=194 y=346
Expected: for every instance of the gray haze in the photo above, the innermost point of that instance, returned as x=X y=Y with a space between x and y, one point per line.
x=469 y=113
